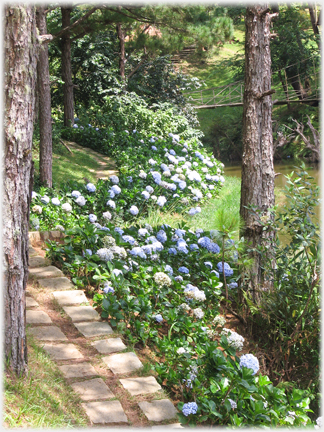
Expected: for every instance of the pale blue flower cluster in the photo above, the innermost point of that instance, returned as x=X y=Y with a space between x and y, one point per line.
x=250 y=361
x=172 y=251
x=228 y=271
x=183 y=269
x=119 y=230
x=146 y=195
x=91 y=187
x=128 y=239
x=232 y=285
x=108 y=288
x=116 y=189
x=92 y=218
x=114 y=179
x=138 y=251
x=149 y=189
x=169 y=269
x=111 y=204
x=142 y=232
x=45 y=199
x=189 y=408
x=133 y=210
x=117 y=272
x=161 y=236
x=158 y=318
x=161 y=201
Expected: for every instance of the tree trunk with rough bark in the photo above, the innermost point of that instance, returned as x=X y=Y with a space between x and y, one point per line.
x=67 y=68
x=122 y=57
x=20 y=53
x=44 y=101
x=257 y=187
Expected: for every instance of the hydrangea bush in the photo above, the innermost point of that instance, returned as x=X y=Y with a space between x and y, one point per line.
x=162 y=286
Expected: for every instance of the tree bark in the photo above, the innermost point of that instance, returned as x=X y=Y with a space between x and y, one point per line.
x=20 y=53
x=67 y=68
x=44 y=101
x=122 y=57
x=257 y=186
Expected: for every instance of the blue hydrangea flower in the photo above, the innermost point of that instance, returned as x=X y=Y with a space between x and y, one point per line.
x=157 y=246
x=161 y=236
x=138 y=251
x=145 y=194
x=153 y=148
x=91 y=187
x=128 y=239
x=169 y=269
x=250 y=361
x=182 y=249
x=130 y=179
x=228 y=271
x=213 y=247
x=111 y=193
x=142 y=232
x=189 y=408
x=172 y=251
x=179 y=278
x=193 y=247
x=87 y=252
x=149 y=189
x=133 y=210
x=158 y=318
x=156 y=177
x=75 y=194
x=108 y=288
x=117 y=272
x=105 y=254
x=114 y=179
x=172 y=152
x=116 y=189
x=92 y=218
x=232 y=285
x=183 y=269
x=208 y=264
x=119 y=230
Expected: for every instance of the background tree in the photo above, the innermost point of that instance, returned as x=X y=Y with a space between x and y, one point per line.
x=257 y=186
x=20 y=38
x=44 y=104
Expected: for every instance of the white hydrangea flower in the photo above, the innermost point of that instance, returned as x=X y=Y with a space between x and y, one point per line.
x=198 y=312
x=37 y=209
x=219 y=320
x=67 y=207
x=162 y=279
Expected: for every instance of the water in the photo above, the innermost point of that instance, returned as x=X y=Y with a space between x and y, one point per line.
x=233 y=169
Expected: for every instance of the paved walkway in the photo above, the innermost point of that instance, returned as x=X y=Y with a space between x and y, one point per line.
x=108 y=377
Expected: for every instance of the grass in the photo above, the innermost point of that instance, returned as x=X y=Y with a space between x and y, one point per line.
x=73 y=166
x=42 y=398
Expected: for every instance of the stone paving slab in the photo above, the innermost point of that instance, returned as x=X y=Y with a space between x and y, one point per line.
x=30 y=302
x=92 y=329
x=37 y=261
x=141 y=385
x=63 y=351
x=81 y=313
x=37 y=317
x=168 y=426
x=45 y=272
x=70 y=297
x=57 y=283
x=79 y=370
x=92 y=389
x=123 y=363
x=32 y=252
x=107 y=346
x=48 y=333
x=105 y=412
x=158 y=410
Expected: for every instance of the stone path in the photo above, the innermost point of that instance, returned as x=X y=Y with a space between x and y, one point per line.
x=106 y=378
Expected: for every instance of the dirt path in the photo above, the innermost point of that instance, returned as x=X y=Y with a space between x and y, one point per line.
x=107 y=165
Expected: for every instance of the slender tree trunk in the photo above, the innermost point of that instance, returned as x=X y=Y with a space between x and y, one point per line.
x=20 y=53
x=67 y=68
x=257 y=188
x=44 y=101
x=122 y=57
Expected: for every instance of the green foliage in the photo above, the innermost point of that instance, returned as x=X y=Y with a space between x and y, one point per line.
x=290 y=310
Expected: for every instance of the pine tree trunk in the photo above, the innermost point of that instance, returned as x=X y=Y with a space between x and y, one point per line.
x=67 y=68
x=21 y=44
x=122 y=57
x=257 y=186
x=44 y=100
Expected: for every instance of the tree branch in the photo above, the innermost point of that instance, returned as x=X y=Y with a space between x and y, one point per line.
x=76 y=23
x=136 y=68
